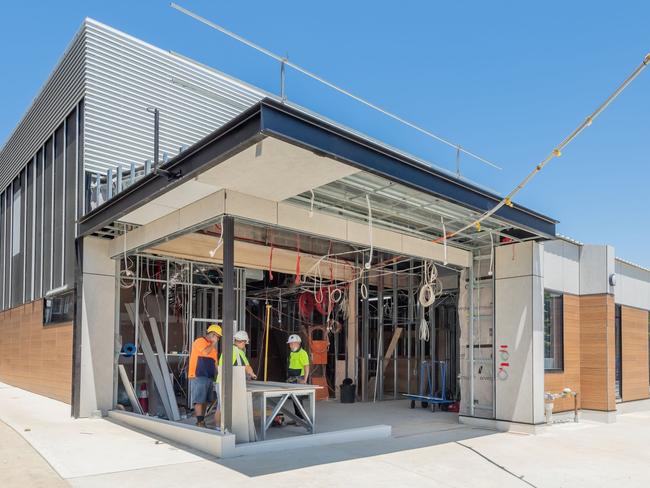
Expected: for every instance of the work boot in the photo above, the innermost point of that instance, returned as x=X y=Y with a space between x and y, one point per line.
x=201 y=424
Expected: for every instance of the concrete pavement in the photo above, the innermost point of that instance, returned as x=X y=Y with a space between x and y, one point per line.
x=98 y=453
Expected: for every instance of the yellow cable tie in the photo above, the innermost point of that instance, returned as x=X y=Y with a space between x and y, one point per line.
x=646 y=60
x=509 y=202
x=478 y=227
x=557 y=153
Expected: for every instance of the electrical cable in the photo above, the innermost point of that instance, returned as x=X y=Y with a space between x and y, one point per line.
x=219 y=242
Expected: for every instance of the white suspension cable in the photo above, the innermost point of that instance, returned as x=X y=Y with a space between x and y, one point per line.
x=444 y=240
x=491 y=254
x=219 y=242
x=310 y=74
x=555 y=153
x=369 y=262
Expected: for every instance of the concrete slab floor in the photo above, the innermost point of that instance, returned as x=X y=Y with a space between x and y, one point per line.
x=587 y=454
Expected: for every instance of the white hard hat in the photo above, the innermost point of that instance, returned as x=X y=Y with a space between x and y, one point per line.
x=294 y=338
x=241 y=335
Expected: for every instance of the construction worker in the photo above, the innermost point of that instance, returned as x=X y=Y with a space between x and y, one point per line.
x=298 y=371
x=240 y=340
x=202 y=370
x=298 y=361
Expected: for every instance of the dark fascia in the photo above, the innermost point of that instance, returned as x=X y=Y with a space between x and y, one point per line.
x=273 y=118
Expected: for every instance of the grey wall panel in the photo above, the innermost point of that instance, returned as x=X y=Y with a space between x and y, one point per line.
x=58 y=96
x=70 y=198
x=562 y=266
x=125 y=76
x=48 y=184
x=7 y=276
x=28 y=230
x=3 y=237
x=38 y=226
x=632 y=285
x=58 y=199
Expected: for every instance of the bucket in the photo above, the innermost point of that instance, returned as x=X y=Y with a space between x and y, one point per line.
x=348 y=391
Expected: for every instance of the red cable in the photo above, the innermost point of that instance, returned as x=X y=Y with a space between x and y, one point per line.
x=297 y=279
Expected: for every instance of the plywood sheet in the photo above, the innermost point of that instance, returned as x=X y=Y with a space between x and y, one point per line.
x=597 y=352
x=634 y=346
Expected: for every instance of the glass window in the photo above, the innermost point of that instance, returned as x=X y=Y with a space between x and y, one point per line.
x=553 y=331
x=59 y=308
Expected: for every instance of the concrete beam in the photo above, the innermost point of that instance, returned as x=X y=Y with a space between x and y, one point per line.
x=209 y=208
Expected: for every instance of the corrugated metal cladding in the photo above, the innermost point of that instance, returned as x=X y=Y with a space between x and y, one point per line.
x=58 y=97
x=91 y=115
x=125 y=76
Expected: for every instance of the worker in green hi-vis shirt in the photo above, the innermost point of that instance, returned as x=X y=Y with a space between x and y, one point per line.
x=298 y=365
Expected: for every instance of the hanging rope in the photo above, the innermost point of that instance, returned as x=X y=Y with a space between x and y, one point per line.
x=429 y=288
x=266 y=340
x=297 y=279
x=424 y=329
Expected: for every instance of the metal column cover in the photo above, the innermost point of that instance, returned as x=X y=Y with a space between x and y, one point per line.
x=228 y=232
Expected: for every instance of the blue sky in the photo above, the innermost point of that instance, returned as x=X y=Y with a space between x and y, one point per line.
x=507 y=80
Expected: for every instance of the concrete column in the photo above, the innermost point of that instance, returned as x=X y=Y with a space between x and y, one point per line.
x=519 y=333
x=97 y=335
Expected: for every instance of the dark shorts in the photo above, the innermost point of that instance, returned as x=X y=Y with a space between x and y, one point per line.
x=201 y=388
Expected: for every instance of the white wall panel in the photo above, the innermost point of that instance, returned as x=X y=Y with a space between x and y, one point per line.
x=519 y=319
x=632 y=286
x=596 y=264
x=562 y=266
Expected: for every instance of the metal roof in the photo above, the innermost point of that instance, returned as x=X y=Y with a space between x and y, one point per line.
x=418 y=186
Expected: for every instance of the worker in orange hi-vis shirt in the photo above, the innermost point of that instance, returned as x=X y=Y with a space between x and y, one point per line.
x=202 y=370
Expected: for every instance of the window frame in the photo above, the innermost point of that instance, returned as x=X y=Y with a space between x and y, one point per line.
x=560 y=295
x=67 y=294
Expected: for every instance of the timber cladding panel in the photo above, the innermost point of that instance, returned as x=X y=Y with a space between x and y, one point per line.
x=556 y=381
x=597 y=352
x=33 y=357
x=634 y=347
